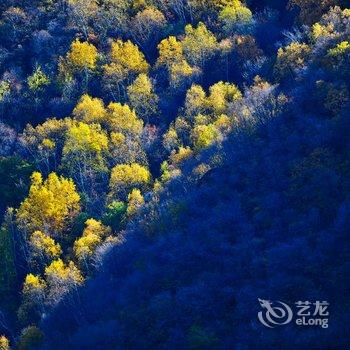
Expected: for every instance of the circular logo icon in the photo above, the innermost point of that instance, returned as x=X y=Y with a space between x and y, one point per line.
x=274 y=313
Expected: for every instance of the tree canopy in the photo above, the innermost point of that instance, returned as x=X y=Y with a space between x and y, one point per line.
x=164 y=164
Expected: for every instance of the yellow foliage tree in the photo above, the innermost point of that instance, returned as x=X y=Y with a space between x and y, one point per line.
x=50 y=206
x=199 y=44
x=61 y=278
x=34 y=294
x=291 y=58
x=124 y=120
x=85 y=247
x=135 y=202
x=142 y=97
x=58 y=270
x=90 y=110
x=82 y=56
x=339 y=50
x=224 y=124
x=204 y=135
x=233 y=15
x=181 y=74
x=81 y=59
x=171 y=139
x=170 y=51
x=128 y=57
x=171 y=56
x=181 y=155
x=93 y=235
x=200 y=8
x=4 y=343
x=38 y=80
x=221 y=94
x=319 y=30
x=96 y=227
x=126 y=61
x=44 y=247
x=82 y=137
x=196 y=101
x=220 y=97
x=33 y=287
x=84 y=154
x=44 y=141
x=125 y=177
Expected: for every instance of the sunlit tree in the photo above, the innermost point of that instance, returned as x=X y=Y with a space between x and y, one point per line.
x=199 y=44
x=93 y=235
x=43 y=143
x=196 y=101
x=80 y=59
x=290 y=59
x=142 y=97
x=84 y=154
x=124 y=120
x=235 y=16
x=38 y=80
x=43 y=247
x=33 y=298
x=61 y=278
x=50 y=206
x=125 y=177
x=82 y=56
x=204 y=135
x=179 y=156
x=170 y=51
x=171 y=139
x=221 y=95
x=126 y=62
x=135 y=202
x=90 y=110
x=181 y=75
x=34 y=289
x=4 y=343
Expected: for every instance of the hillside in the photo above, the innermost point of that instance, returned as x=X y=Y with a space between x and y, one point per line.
x=170 y=166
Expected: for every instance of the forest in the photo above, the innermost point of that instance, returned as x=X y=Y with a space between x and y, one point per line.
x=165 y=164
